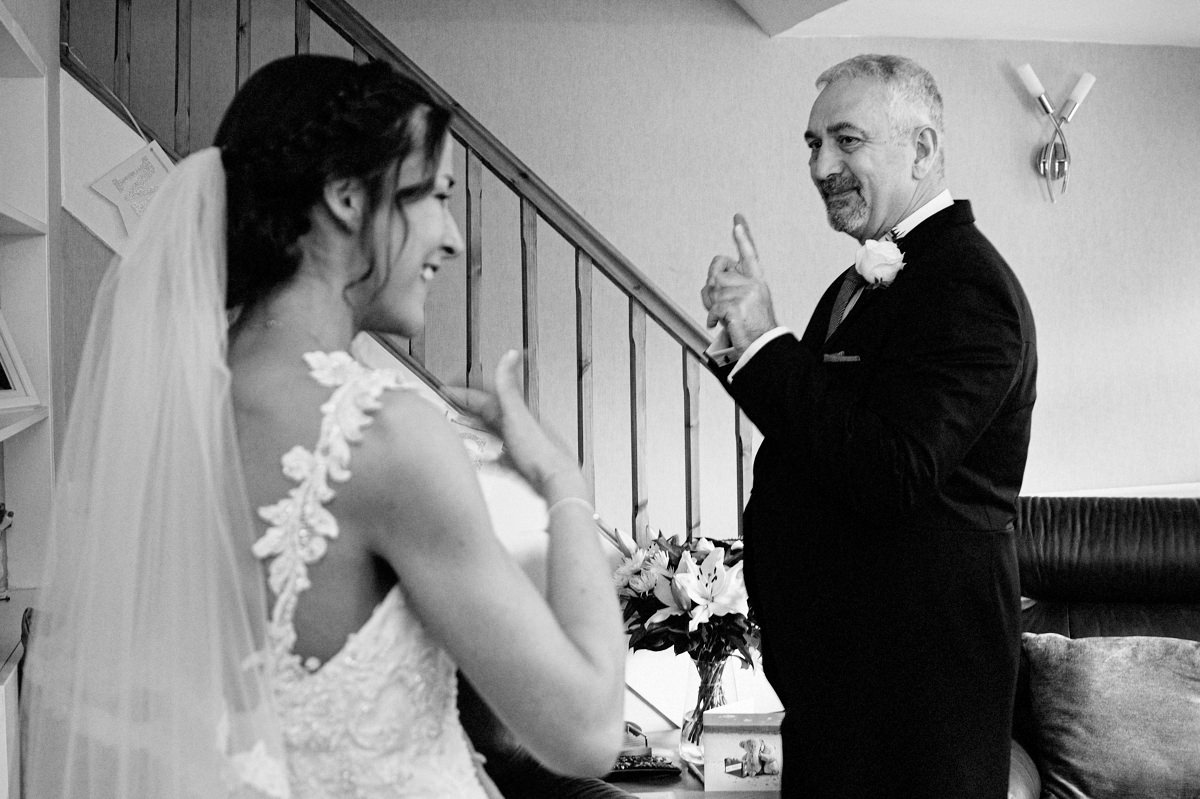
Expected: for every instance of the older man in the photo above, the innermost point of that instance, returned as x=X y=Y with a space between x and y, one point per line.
x=879 y=544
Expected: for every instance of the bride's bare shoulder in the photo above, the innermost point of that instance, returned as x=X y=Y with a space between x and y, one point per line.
x=409 y=431
x=411 y=472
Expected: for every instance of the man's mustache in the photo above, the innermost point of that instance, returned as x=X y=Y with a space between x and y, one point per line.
x=836 y=184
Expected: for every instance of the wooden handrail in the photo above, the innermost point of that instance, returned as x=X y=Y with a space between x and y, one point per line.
x=417 y=368
x=513 y=172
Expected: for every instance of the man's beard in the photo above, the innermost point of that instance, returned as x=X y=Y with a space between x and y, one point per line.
x=847 y=211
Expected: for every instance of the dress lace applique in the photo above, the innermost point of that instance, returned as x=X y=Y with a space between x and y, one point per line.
x=254 y=773
x=259 y=774
x=379 y=718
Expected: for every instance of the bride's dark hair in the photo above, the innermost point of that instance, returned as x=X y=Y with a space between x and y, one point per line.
x=296 y=124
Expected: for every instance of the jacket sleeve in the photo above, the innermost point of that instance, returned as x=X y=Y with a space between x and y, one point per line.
x=931 y=384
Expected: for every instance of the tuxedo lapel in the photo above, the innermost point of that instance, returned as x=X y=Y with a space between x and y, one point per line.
x=867 y=297
x=818 y=323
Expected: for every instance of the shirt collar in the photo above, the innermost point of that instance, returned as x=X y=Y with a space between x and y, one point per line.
x=939 y=202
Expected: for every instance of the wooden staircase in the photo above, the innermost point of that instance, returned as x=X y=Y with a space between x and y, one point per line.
x=88 y=31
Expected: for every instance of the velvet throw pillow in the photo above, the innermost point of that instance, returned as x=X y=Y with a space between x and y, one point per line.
x=1116 y=717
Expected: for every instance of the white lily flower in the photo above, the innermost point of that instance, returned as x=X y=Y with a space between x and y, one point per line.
x=671 y=592
x=716 y=590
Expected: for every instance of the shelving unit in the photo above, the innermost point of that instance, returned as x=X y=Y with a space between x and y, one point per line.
x=26 y=441
x=25 y=433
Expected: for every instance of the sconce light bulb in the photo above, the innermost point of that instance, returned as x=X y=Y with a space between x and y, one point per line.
x=1034 y=87
x=1077 y=94
x=1082 y=87
x=1030 y=79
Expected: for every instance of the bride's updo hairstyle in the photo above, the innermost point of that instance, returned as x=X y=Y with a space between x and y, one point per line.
x=298 y=123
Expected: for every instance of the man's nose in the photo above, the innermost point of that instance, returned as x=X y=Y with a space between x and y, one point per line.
x=825 y=162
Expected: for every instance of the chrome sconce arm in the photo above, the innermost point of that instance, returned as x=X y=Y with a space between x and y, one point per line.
x=1053 y=160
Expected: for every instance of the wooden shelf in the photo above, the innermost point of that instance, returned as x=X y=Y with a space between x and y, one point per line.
x=14 y=421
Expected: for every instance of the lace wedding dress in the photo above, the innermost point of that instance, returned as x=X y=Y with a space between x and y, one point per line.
x=378 y=719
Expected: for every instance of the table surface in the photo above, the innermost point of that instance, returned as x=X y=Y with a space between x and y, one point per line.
x=687 y=785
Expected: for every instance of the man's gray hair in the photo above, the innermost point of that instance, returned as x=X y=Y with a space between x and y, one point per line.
x=915 y=97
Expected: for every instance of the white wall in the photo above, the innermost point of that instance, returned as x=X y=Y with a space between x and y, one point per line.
x=658 y=121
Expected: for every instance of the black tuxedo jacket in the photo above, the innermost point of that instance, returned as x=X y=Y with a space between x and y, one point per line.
x=879 y=552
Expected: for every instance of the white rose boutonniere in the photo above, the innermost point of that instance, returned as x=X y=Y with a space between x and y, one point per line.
x=879 y=262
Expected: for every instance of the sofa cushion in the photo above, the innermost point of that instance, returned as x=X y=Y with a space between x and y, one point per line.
x=1116 y=716
x=1109 y=549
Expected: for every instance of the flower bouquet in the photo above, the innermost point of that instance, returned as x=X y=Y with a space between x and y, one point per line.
x=688 y=595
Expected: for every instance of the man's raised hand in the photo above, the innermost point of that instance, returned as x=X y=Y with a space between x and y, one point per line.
x=747 y=252
x=735 y=293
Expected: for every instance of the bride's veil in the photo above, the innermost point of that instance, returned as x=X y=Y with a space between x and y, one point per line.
x=142 y=678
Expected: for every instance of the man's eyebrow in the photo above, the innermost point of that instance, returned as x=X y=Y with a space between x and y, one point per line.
x=842 y=127
x=835 y=129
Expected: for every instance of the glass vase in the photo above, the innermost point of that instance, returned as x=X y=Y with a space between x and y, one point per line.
x=709 y=694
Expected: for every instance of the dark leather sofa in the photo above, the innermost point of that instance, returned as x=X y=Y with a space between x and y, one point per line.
x=1105 y=566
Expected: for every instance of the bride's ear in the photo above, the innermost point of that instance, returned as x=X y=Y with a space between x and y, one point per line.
x=346 y=201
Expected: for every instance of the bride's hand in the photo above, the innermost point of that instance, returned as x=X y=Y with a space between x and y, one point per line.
x=548 y=466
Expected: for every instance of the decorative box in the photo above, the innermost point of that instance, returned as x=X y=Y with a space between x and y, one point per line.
x=742 y=751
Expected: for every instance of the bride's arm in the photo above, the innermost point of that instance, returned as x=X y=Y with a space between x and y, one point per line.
x=552 y=668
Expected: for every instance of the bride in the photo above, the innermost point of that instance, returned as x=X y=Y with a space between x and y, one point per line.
x=268 y=559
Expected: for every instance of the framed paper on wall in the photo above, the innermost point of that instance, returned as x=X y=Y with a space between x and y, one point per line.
x=16 y=390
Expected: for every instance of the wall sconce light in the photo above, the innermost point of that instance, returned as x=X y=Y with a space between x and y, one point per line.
x=1053 y=160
